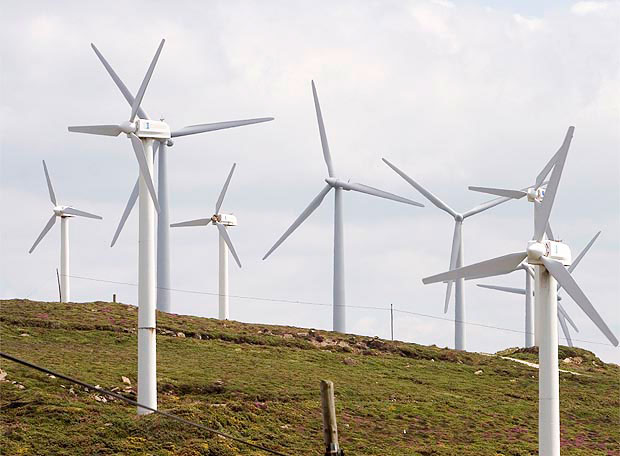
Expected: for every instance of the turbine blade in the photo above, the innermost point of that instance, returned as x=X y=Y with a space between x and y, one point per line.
x=428 y=195
x=316 y=202
x=203 y=128
x=562 y=310
x=557 y=270
x=496 y=266
x=122 y=87
x=552 y=188
x=197 y=222
x=454 y=255
x=565 y=330
x=104 y=130
x=49 y=185
x=545 y=171
x=520 y=291
x=220 y=199
x=222 y=229
x=514 y=194
x=138 y=100
x=138 y=149
x=50 y=224
x=530 y=270
x=549 y=232
x=319 y=117
x=577 y=260
x=130 y=204
x=357 y=187
x=79 y=213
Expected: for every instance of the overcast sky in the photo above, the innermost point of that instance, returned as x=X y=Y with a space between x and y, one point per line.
x=456 y=94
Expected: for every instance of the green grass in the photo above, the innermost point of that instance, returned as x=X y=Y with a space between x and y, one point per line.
x=261 y=383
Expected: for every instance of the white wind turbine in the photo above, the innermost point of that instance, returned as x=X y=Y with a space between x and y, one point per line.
x=221 y=221
x=160 y=150
x=456 y=256
x=65 y=213
x=550 y=259
x=563 y=317
x=143 y=133
x=339 y=311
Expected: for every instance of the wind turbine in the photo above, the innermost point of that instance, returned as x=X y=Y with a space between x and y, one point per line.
x=563 y=317
x=549 y=259
x=339 y=311
x=143 y=133
x=221 y=221
x=160 y=150
x=456 y=257
x=65 y=213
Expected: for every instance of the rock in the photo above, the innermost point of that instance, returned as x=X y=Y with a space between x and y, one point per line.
x=567 y=360
x=100 y=399
x=25 y=335
x=180 y=334
x=125 y=380
x=287 y=336
x=349 y=361
x=577 y=360
x=20 y=386
x=2 y=375
x=285 y=426
x=301 y=334
x=478 y=372
x=319 y=338
x=108 y=424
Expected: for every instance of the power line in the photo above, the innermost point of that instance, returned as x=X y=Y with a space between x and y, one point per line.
x=311 y=303
x=132 y=402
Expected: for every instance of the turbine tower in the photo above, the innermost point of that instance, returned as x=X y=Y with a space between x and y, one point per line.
x=456 y=257
x=339 y=314
x=160 y=151
x=142 y=132
x=65 y=213
x=550 y=259
x=221 y=221
x=563 y=317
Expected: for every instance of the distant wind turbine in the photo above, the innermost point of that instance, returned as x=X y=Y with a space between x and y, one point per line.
x=550 y=259
x=457 y=255
x=339 y=323
x=65 y=213
x=221 y=221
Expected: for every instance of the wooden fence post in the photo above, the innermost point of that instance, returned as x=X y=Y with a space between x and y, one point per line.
x=330 y=429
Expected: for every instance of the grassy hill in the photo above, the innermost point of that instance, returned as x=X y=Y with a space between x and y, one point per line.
x=261 y=383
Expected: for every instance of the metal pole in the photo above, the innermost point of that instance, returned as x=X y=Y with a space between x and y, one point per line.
x=59 y=289
x=339 y=316
x=529 y=311
x=147 y=367
x=65 y=289
x=223 y=290
x=459 y=303
x=163 y=231
x=392 y=321
x=548 y=376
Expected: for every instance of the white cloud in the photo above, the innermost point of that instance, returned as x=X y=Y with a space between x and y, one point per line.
x=587 y=7
x=531 y=23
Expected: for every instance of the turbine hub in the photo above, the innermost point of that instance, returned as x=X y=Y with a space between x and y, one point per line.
x=58 y=210
x=128 y=127
x=333 y=181
x=459 y=217
x=535 y=194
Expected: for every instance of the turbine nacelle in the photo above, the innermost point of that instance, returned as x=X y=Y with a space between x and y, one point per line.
x=146 y=128
x=336 y=183
x=225 y=219
x=549 y=249
x=535 y=194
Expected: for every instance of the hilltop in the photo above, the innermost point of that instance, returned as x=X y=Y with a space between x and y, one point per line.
x=261 y=383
